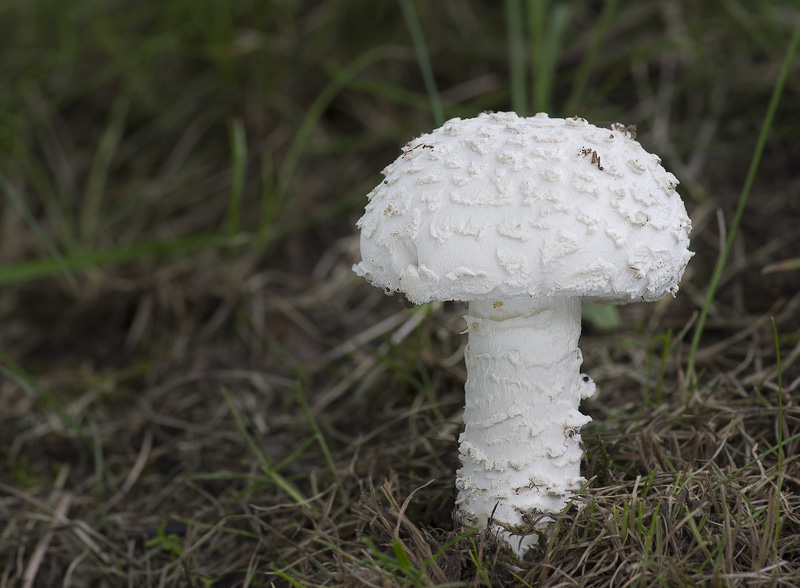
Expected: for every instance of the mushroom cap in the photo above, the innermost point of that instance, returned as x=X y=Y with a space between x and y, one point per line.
x=501 y=206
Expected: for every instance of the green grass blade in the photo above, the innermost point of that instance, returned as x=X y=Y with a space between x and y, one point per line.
x=266 y=465
x=286 y=577
x=404 y=562
x=303 y=134
x=57 y=263
x=101 y=166
x=301 y=398
x=421 y=49
x=238 y=163
x=466 y=534
x=299 y=450
x=269 y=209
x=40 y=182
x=748 y=184
x=395 y=92
x=481 y=566
x=758 y=458
x=662 y=368
x=537 y=15
x=576 y=96
x=15 y=373
x=546 y=33
x=43 y=268
x=603 y=317
x=516 y=56
x=521 y=580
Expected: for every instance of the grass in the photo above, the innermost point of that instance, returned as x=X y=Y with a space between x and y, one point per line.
x=748 y=185
x=196 y=390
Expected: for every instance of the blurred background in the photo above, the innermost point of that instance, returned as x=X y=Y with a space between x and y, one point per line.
x=182 y=336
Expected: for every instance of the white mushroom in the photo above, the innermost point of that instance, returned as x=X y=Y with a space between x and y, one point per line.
x=558 y=211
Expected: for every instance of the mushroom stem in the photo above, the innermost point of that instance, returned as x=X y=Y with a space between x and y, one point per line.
x=520 y=450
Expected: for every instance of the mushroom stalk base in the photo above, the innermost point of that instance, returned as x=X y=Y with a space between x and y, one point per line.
x=520 y=450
